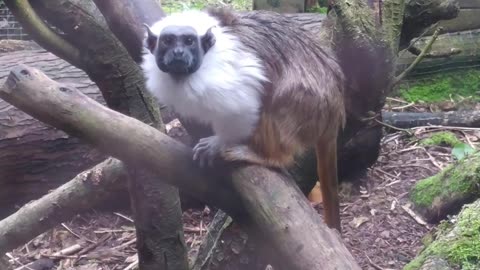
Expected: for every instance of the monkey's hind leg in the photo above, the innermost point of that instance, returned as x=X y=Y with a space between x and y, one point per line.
x=327 y=173
x=243 y=153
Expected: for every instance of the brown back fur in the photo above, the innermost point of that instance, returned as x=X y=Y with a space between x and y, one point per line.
x=303 y=103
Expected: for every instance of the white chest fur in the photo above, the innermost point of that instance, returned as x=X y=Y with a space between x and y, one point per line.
x=224 y=92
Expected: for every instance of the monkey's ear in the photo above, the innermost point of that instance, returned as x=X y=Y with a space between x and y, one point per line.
x=208 y=40
x=151 y=40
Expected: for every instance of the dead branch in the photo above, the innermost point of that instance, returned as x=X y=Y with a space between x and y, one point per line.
x=268 y=200
x=405 y=120
x=79 y=194
x=419 y=58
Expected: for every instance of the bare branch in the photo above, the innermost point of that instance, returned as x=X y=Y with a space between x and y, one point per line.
x=88 y=188
x=418 y=59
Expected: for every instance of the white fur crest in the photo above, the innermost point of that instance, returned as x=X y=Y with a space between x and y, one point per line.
x=224 y=92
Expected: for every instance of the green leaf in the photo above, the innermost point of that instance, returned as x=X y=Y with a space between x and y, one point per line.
x=462 y=150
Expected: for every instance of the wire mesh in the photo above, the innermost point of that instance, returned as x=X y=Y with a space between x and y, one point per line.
x=9 y=27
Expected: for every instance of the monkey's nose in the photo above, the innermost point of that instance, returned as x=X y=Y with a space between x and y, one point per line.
x=178 y=52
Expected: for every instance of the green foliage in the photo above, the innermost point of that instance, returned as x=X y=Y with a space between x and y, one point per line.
x=171 y=6
x=443 y=86
x=462 y=150
x=460 y=245
x=441 y=138
x=317 y=9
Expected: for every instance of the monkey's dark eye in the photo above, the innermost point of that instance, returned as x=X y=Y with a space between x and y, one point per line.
x=168 y=40
x=189 y=41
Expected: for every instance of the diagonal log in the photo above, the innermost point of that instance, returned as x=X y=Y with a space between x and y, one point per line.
x=266 y=199
x=90 y=187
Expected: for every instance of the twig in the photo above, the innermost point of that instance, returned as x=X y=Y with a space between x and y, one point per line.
x=392 y=183
x=432 y=159
x=418 y=59
x=397 y=100
x=114 y=231
x=421 y=36
x=123 y=216
x=69 y=250
x=376 y=266
x=69 y=230
x=126 y=244
x=190 y=229
x=393 y=127
x=76 y=235
x=132 y=265
x=23 y=266
x=404 y=106
x=417 y=218
x=467 y=139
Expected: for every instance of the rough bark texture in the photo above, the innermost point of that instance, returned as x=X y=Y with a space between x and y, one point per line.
x=455 y=246
x=248 y=198
x=125 y=20
x=443 y=194
x=420 y=14
x=121 y=82
x=88 y=188
x=34 y=157
x=455 y=118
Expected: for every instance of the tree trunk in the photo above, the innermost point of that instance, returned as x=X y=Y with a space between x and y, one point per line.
x=245 y=193
x=443 y=194
x=456 y=246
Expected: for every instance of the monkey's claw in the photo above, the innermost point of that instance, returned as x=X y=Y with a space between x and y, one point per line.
x=206 y=150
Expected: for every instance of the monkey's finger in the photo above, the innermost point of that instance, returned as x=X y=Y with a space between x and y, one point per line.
x=210 y=161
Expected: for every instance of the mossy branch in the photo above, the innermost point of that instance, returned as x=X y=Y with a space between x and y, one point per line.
x=419 y=58
x=357 y=21
x=393 y=21
x=42 y=34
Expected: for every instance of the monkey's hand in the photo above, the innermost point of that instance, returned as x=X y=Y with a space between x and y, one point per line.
x=206 y=150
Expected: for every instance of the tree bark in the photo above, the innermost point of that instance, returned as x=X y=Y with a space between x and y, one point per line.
x=34 y=157
x=88 y=188
x=444 y=193
x=410 y=119
x=420 y=14
x=247 y=195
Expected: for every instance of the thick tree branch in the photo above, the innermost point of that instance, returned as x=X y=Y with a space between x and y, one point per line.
x=277 y=216
x=79 y=194
x=125 y=20
x=35 y=27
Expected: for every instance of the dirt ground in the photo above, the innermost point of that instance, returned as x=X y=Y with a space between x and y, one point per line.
x=377 y=228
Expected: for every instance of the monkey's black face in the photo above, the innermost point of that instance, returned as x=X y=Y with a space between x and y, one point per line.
x=179 y=50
